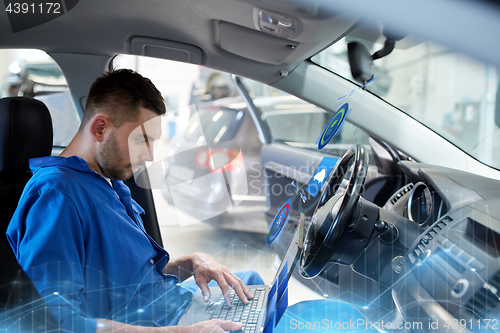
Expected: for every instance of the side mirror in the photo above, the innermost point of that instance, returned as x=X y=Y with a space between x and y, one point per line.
x=361 y=62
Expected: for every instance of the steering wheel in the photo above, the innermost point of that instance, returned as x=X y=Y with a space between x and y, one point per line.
x=333 y=213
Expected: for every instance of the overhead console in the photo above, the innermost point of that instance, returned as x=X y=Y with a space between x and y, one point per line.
x=276 y=24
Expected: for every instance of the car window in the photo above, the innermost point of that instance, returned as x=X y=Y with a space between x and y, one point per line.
x=219 y=124
x=207 y=161
x=290 y=120
x=295 y=122
x=33 y=73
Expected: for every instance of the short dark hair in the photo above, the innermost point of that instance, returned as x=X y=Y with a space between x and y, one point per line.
x=120 y=93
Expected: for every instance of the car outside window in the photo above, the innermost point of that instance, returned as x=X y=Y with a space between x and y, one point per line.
x=207 y=161
x=33 y=73
x=216 y=122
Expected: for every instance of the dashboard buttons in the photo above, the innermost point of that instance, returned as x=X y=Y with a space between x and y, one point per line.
x=464 y=258
x=455 y=251
x=388 y=232
x=476 y=264
x=445 y=243
x=460 y=288
x=398 y=264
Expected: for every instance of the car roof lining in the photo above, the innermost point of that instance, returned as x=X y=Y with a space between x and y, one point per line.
x=92 y=43
x=195 y=22
x=190 y=22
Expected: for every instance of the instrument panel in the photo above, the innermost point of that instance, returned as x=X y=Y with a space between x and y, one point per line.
x=417 y=202
x=453 y=267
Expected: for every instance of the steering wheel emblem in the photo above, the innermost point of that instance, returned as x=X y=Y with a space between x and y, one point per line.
x=332 y=128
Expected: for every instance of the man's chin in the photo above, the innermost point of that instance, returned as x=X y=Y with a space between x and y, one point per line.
x=124 y=175
x=127 y=177
x=129 y=174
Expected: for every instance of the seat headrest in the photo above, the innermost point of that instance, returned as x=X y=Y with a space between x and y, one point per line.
x=25 y=132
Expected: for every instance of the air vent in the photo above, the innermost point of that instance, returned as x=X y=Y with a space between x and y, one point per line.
x=487 y=298
x=426 y=239
x=401 y=193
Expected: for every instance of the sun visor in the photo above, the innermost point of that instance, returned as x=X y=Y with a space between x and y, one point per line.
x=258 y=46
x=160 y=48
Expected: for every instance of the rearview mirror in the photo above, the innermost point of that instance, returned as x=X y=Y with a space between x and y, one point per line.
x=361 y=62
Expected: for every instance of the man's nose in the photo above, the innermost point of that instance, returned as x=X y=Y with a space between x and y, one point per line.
x=147 y=153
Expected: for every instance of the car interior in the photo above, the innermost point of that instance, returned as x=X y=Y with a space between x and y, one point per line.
x=405 y=226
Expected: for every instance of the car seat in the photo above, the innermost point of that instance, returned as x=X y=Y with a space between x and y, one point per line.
x=25 y=132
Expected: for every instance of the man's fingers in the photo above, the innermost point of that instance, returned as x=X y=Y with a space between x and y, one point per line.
x=207 y=269
x=241 y=294
x=246 y=290
x=221 y=281
x=204 y=289
x=239 y=287
x=230 y=325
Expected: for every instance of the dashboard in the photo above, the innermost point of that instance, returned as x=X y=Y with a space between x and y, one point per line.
x=452 y=269
x=437 y=266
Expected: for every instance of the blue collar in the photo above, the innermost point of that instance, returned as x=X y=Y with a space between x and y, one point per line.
x=72 y=162
x=79 y=164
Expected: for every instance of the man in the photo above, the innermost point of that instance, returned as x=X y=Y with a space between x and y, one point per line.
x=78 y=234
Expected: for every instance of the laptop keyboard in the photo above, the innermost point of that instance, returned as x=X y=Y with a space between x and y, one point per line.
x=248 y=314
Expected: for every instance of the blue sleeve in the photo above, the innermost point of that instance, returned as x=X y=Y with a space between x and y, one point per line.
x=47 y=237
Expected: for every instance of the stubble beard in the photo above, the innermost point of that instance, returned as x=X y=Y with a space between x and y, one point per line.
x=110 y=161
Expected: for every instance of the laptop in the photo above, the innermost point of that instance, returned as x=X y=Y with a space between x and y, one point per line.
x=262 y=313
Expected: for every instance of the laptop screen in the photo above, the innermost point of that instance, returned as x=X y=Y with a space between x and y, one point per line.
x=277 y=301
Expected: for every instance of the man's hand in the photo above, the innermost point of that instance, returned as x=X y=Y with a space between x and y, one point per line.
x=205 y=269
x=209 y=326
x=212 y=326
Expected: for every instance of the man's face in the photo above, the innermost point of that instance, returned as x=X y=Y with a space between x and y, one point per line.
x=128 y=147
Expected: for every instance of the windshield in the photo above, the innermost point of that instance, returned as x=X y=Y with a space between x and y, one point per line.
x=452 y=94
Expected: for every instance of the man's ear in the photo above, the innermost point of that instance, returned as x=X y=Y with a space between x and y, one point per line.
x=100 y=125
